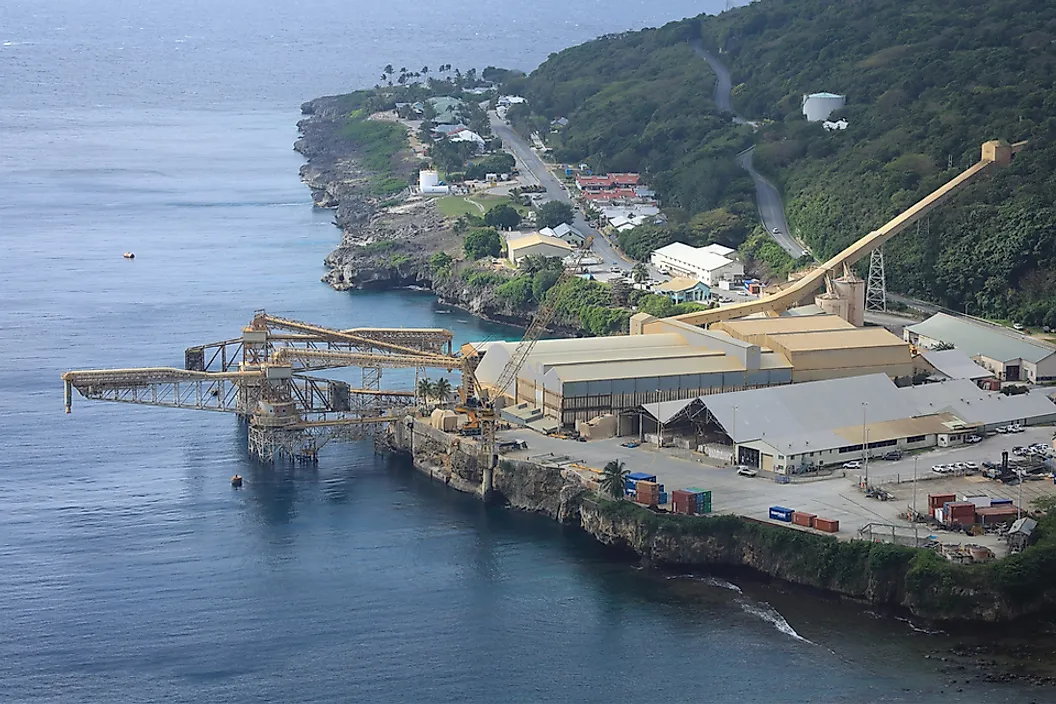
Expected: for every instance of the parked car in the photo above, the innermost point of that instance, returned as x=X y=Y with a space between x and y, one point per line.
x=1001 y=429
x=972 y=439
x=1018 y=451
x=1017 y=428
x=971 y=465
x=746 y=472
x=893 y=455
x=852 y=465
x=939 y=469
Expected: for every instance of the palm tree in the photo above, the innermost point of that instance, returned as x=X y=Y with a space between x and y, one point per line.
x=614 y=479
x=425 y=69
x=426 y=390
x=442 y=390
x=387 y=69
x=640 y=273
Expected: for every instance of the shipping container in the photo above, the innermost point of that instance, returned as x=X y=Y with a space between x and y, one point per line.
x=642 y=477
x=940 y=500
x=804 y=519
x=997 y=514
x=1000 y=502
x=780 y=513
x=826 y=525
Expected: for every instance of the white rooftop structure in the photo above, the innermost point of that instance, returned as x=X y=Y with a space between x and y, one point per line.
x=710 y=264
x=971 y=404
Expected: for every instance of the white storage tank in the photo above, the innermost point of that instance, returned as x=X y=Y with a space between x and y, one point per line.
x=818 y=106
x=429 y=183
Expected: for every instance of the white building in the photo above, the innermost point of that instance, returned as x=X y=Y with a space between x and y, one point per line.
x=818 y=106
x=710 y=264
x=537 y=244
x=830 y=126
x=468 y=136
x=429 y=183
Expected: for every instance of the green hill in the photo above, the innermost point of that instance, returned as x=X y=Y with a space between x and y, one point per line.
x=926 y=84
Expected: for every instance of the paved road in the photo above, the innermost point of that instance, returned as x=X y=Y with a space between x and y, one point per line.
x=771 y=210
x=530 y=163
x=767 y=198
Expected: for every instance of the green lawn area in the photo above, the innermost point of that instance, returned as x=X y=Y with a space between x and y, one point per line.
x=453 y=206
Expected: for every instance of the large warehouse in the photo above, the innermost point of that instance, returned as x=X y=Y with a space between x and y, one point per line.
x=818 y=346
x=582 y=378
x=793 y=428
x=1007 y=354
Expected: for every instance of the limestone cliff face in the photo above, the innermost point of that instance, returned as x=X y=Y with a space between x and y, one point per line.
x=881 y=575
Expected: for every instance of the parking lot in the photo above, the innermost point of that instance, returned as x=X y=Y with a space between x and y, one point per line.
x=836 y=497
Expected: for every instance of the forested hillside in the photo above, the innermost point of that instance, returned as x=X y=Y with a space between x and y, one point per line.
x=926 y=84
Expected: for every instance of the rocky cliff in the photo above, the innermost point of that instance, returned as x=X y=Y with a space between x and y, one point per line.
x=881 y=575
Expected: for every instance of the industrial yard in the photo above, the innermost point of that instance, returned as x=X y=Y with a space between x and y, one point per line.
x=835 y=496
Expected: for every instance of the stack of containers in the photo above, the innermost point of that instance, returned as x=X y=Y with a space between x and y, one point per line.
x=826 y=526
x=937 y=501
x=647 y=492
x=631 y=482
x=683 y=501
x=703 y=499
x=959 y=513
x=804 y=519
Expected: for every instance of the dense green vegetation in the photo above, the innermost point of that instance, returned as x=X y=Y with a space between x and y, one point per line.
x=927 y=83
x=503 y=216
x=482 y=242
x=553 y=213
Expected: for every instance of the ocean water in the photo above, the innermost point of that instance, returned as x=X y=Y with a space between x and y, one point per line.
x=131 y=571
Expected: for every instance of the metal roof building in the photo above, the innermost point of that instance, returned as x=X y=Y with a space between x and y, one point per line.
x=788 y=428
x=579 y=379
x=953 y=364
x=1007 y=354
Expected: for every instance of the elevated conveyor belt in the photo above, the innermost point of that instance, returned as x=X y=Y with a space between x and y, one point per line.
x=994 y=154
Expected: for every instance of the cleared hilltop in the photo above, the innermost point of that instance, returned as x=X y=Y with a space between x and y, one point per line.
x=925 y=84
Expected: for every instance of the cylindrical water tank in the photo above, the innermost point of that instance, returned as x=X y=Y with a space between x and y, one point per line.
x=818 y=106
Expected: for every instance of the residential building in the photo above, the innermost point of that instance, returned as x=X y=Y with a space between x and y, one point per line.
x=565 y=232
x=684 y=290
x=536 y=244
x=468 y=135
x=448 y=110
x=710 y=264
x=607 y=182
x=1008 y=355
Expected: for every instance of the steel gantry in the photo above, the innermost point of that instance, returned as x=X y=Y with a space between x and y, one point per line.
x=262 y=377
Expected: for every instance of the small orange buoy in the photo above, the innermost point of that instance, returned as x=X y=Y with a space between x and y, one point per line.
x=236 y=481
x=129 y=255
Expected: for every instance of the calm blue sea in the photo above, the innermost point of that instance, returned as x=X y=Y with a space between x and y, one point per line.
x=130 y=571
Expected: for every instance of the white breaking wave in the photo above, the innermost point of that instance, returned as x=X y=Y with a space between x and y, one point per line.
x=720 y=583
x=771 y=615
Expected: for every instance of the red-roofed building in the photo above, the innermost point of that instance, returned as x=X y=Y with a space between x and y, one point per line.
x=605 y=183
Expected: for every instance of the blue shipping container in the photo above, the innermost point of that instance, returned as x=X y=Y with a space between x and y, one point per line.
x=780 y=513
x=663 y=497
x=642 y=477
x=999 y=502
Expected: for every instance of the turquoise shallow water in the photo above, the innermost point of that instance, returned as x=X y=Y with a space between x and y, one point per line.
x=131 y=571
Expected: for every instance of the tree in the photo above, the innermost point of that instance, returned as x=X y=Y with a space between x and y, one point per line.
x=621 y=291
x=482 y=242
x=640 y=273
x=555 y=212
x=614 y=479
x=442 y=390
x=942 y=346
x=440 y=261
x=425 y=70
x=542 y=282
x=388 y=69
x=425 y=390
x=534 y=263
x=657 y=306
x=504 y=217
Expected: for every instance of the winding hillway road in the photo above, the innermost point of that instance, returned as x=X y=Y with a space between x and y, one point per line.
x=767 y=197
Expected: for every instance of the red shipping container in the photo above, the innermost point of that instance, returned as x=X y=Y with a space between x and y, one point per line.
x=803 y=519
x=826 y=525
x=940 y=500
x=647 y=493
x=683 y=501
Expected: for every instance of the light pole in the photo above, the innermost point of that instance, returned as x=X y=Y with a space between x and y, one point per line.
x=733 y=437
x=865 y=444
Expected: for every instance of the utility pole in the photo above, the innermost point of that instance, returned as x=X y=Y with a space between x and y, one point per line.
x=733 y=437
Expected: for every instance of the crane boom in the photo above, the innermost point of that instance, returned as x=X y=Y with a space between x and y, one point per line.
x=543 y=317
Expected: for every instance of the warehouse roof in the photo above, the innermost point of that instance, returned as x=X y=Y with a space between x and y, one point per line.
x=835 y=339
x=764 y=326
x=699 y=257
x=954 y=364
x=973 y=405
x=646 y=368
x=979 y=339
x=536 y=238
x=678 y=285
